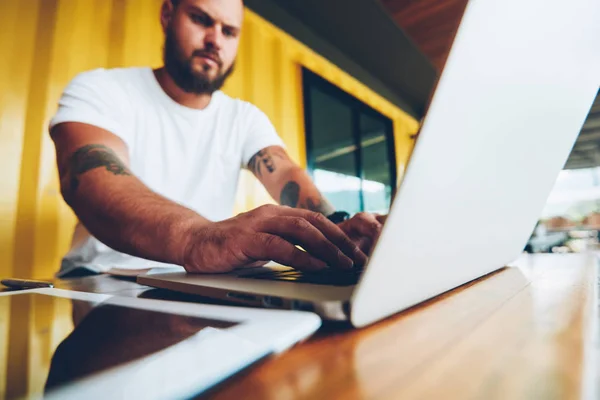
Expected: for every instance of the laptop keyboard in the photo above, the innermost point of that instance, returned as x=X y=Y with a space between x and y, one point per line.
x=329 y=276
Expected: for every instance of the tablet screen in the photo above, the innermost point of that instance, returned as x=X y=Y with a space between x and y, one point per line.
x=50 y=341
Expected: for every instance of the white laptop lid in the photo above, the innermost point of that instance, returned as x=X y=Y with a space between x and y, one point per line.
x=85 y=345
x=516 y=89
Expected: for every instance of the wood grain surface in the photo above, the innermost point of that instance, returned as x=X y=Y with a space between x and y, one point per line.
x=524 y=332
x=520 y=333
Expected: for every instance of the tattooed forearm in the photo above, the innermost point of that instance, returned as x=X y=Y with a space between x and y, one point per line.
x=264 y=160
x=94 y=156
x=290 y=184
x=290 y=194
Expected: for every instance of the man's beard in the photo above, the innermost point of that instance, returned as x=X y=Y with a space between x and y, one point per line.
x=184 y=76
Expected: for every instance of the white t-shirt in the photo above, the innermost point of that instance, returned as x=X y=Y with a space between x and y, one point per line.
x=190 y=156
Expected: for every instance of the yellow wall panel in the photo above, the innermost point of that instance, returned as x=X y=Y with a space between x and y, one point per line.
x=18 y=22
x=32 y=140
x=76 y=48
x=71 y=36
x=142 y=44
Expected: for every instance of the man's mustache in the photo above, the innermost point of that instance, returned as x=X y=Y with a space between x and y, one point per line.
x=210 y=54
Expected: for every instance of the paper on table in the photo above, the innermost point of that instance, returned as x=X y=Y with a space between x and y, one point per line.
x=128 y=272
x=135 y=272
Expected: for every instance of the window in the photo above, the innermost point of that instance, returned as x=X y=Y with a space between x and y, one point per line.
x=350 y=148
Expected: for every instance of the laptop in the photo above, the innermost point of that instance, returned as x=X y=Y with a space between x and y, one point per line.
x=89 y=345
x=516 y=89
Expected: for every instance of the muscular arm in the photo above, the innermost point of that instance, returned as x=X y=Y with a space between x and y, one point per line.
x=114 y=205
x=286 y=182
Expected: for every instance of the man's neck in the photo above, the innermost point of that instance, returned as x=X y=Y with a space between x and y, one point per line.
x=191 y=100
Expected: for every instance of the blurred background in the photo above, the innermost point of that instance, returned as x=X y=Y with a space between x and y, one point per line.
x=345 y=84
x=570 y=221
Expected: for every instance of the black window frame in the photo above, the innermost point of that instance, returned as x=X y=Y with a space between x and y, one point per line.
x=311 y=79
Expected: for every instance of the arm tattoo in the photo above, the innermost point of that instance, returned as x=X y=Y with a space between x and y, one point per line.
x=94 y=156
x=314 y=204
x=265 y=158
x=317 y=204
x=290 y=194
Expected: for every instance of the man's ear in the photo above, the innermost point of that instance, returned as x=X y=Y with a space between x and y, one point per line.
x=166 y=13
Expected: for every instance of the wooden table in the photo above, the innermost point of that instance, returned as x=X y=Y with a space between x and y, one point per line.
x=526 y=332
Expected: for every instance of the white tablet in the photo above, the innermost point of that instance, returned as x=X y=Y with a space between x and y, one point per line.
x=65 y=344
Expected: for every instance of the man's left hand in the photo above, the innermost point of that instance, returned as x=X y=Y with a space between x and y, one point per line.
x=363 y=229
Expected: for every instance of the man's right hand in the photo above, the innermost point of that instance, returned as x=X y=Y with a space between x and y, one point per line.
x=270 y=233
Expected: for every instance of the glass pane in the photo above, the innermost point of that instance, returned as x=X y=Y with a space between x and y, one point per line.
x=343 y=191
x=376 y=164
x=570 y=221
x=331 y=127
x=335 y=143
x=334 y=151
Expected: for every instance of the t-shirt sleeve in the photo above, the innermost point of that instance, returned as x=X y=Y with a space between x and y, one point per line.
x=94 y=98
x=260 y=133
